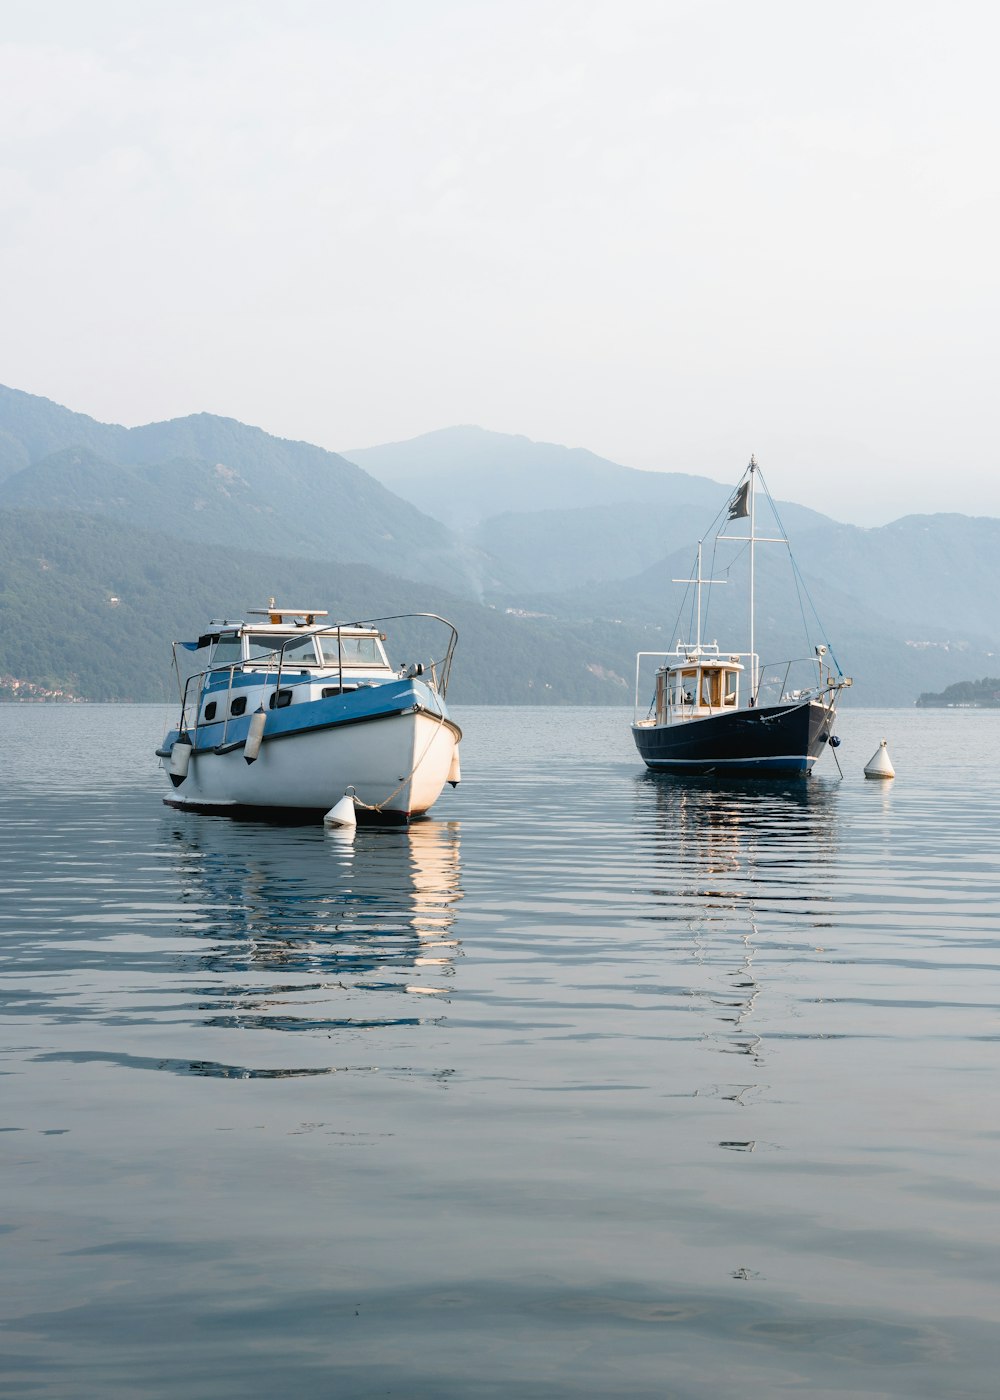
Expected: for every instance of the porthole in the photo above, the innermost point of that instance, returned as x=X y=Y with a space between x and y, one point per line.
x=238 y=707
x=210 y=711
x=279 y=699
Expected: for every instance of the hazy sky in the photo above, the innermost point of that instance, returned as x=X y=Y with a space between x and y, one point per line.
x=672 y=231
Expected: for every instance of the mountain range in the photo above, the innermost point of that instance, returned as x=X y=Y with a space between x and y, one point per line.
x=555 y=562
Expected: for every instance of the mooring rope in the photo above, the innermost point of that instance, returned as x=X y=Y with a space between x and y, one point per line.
x=380 y=806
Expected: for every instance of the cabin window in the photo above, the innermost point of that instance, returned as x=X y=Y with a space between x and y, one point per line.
x=711 y=688
x=279 y=699
x=239 y=705
x=228 y=651
x=732 y=680
x=356 y=651
x=210 y=709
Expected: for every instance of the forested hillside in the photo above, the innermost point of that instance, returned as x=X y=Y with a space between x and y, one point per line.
x=89 y=607
x=976 y=695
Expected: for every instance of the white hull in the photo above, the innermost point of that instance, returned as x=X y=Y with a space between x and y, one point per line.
x=397 y=764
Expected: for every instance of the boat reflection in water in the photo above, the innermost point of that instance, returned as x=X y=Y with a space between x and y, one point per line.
x=736 y=873
x=742 y=824
x=317 y=941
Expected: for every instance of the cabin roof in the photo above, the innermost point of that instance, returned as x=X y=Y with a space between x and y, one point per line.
x=233 y=627
x=707 y=663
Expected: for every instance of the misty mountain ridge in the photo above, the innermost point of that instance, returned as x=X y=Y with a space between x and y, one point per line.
x=214 y=479
x=548 y=515
x=465 y=475
x=573 y=554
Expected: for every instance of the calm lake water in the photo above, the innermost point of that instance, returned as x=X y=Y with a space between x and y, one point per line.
x=597 y=1084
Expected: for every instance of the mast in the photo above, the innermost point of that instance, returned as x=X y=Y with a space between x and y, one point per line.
x=698 y=580
x=744 y=504
x=753 y=653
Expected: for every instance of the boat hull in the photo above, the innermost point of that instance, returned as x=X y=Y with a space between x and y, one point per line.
x=397 y=765
x=776 y=739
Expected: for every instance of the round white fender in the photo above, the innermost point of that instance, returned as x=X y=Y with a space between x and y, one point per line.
x=455 y=771
x=180 y=759
x=254 y=736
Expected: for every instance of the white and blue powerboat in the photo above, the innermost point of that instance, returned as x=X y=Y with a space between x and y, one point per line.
x=288 y=713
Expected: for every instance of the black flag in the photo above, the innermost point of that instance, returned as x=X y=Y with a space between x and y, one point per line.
x=738 y=505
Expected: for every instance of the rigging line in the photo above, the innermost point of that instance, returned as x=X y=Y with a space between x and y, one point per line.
x=692 y=593
x=733 y=561
x=713 y=530
x=711 y=574
x=718 y=520
x=441 y=722
x=689 y=592
x=798 y=595
x=805 y=589
x=675 y=632
x=819 y=621
x=798 y=575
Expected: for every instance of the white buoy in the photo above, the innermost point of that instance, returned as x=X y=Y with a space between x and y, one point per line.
x=255 y=734
x=342 y=814
x=878 y=766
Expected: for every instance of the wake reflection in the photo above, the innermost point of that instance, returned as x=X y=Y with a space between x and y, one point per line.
x=311 y=934
x=735 y=870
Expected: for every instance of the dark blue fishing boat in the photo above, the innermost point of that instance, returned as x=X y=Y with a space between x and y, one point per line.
x=722 y=713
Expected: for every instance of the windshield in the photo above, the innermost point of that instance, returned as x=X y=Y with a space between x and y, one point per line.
x=298 y=648
x=357 y=651
x=228 y=650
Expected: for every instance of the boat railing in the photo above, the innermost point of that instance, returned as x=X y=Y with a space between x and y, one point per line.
x=184 y=726
x=774 y=688
x=638 y=667
x=680 y=654
x=439 y=668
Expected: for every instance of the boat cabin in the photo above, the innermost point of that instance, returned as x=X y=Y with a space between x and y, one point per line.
x=289 y=657
x=256 y=648
x=294 y=641
x=698 y=686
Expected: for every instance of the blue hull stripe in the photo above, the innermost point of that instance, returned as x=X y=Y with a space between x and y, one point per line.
x=384 y=701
